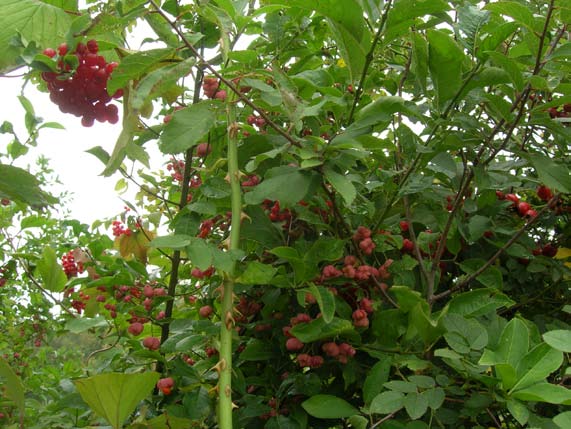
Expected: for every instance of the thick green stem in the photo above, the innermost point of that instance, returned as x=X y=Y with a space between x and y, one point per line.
x=227 y=325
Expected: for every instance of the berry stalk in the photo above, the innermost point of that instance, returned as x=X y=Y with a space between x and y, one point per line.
x=227 y=325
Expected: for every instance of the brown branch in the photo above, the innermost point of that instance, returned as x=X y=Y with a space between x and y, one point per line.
x=499 y=253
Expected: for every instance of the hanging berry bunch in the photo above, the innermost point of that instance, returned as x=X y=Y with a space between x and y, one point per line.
x=82 y=91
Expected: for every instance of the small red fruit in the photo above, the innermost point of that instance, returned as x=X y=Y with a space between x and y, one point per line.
x=549 y=250
x=151 y=343
x=203 y=149
x=135 y=329
x=293 y=344
x=205 y=311
x=407 y=245
x=165 y=385
x=523 y=208
x=403 y=224
x=513 y=198
x=544 y=193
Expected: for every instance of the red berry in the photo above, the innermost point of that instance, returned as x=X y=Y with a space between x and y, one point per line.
x=403 y=225
x=62 y=49
x=92 y=46
x=203 y=149
x=151 y=343
x=549 y=250
x=523 y=208
x=513 y=198
x=544 y=193
x=205 y=311
x=407 y=245
x=293 y=344
x=165 y=385
x=49 y=52
x=135 y=329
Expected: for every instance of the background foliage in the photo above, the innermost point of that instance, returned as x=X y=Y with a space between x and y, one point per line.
x=399 y=173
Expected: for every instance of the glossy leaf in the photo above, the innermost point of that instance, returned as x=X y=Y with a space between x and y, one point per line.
x=445 y=60
x=51 y=272
x=559 y=339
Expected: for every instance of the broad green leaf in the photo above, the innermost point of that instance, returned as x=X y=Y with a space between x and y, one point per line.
x=82 y=324
x=13 y=385
x=477 y=226
x=348 y=28
x=328 y=407
x=157 y=81
x=518 y=410
x=445 y=164
x=407 y=298
x=35 y=21
x=491 y=277
x=326 y=301
x=435 y=396
x=258 y=350
x=401 y=386
x=18 y=185
x=553 y=174
x=318 y=329
x=445 y=60
x=125 y=139
x=135 y=66
x=341 y=184
x=115 y=396
x=419 y=62
x=519 y=12
x=376 y=377
x=358 y=422
x=415 y=405
x=544 y=392
x=404 y=12
x=197 y=404
x=164 y=421
x=470 y=21
x=510 y=66
x=514 y=342
x=559 y=339
x=464 y=334
x=188 y=127
x=288 y=186
x=563 y=420
x=387 y=402
x=257 y=273
x=51 y=272
x=172 y=241
x=536 y=365
x=563 y=51
x=325 y=249
x=478 y=302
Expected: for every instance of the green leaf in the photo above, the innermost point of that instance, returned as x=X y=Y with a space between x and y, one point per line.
x=13 y=385
x=341 y=184
x=188 y=127
x=445 y=60
x=35 y=21
x=445 y=164
x=125 y=139
x=387 y=402
x=552 y=174
x=376 y=377
x=470 y=21
x=318 y=329
x=326 y=301
x=514 y=342
x=563 y=420
x=491 y=277
x=544 y=392
x=156 y=82
x=18 y=185
x=135 y=66
x=258 y=350
x=288 y=185
x=510 y=66
x=325 y=249
x=478 y=302
x=415 y=405
x=404 y=12
x=559 y=339
x=51 y=272
x=82 y=324
x=115 y=396
x=518 y=410
x=519 y=12
x=536 y=365
x=328 y=407
x=257 y=273
x=171 y=241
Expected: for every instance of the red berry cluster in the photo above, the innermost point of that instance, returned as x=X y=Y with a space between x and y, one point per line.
x=152 y=343
x=119 y=229
x=83 y=91
x=70 y=267
x=177 y=169
x=342 y=352
x=523 y=208
x=199 y=274
x=165 y=385
x=211 y=88
x=352 y=270
x=251 y=181
x=276 y=213
x=258 y=121
x=561 y=112
x=363 y=237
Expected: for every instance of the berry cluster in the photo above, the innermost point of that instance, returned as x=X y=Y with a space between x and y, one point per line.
x=561 y=112
x=83 y=91
x=70 y=267
x=276 y=213
x=119 y=229
x=165 y=385
x=211 y=88
x=363 y=237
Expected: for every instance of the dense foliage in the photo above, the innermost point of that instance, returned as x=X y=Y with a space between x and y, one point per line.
x=362 y=220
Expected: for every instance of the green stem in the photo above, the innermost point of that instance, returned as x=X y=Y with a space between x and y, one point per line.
x=227 y=326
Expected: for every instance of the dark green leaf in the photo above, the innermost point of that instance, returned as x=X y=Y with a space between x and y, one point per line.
x=376 y=377
x=188 y=127
x=553 y=174
x=288 y=186
x=387 y=402
x=328 y=407
x=19 y=185
x=13 y=385
x=445 y=60
x=415 y=405
x=318 y=329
